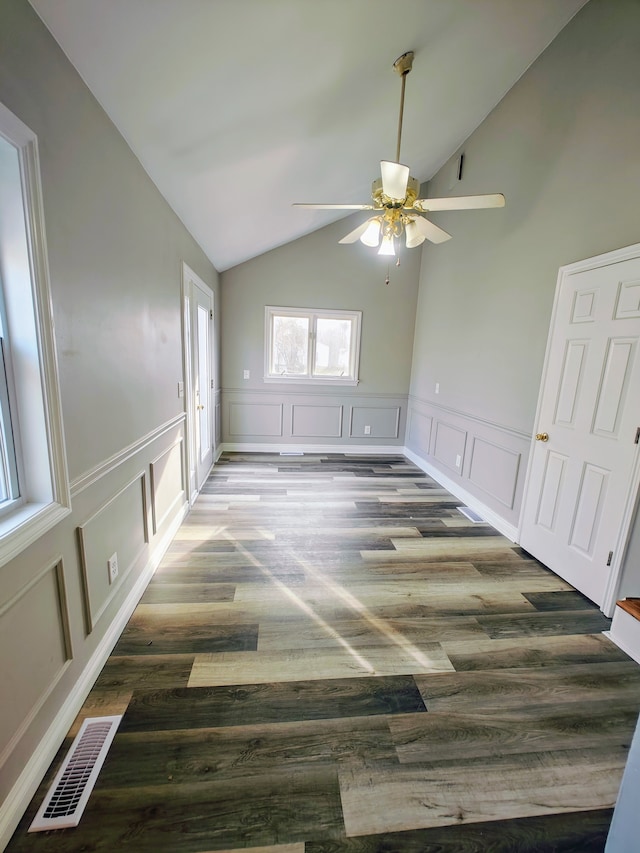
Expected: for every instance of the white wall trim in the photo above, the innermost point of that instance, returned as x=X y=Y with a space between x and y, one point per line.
x=56 y=567
x=90 y=477
x=20 y=796
x=314 y=391
x=420 y=401
x=346 y=449
x=468 y=499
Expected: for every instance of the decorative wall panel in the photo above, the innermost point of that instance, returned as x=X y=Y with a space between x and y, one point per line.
x=255 y=419
x=34 y=628
x=167 y=483
x=448 y=445
x=316 y=421
x=119 y=526
x=419 y=432
x=494 y=469
x=382 y=421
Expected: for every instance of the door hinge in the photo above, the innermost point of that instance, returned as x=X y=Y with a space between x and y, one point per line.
x=637 y=439
x=609 y=558
x=211 y=385
x=211 y=313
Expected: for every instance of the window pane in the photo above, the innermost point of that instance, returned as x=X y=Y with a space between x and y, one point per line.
x=333 y=347
x=290 y=345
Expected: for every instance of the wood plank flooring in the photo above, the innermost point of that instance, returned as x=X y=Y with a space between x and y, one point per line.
x=332 y=659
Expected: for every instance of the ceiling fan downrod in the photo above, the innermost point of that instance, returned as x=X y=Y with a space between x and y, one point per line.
x=402 y=66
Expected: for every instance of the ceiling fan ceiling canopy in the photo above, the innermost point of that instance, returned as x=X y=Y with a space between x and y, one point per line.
x=394 y=197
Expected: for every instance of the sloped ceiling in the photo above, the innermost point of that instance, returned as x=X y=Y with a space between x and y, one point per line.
x=237 y=108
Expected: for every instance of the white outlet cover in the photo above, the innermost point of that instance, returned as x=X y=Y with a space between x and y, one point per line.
x=112 y=567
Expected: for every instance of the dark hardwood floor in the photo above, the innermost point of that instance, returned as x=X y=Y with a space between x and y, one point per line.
x=332 y=659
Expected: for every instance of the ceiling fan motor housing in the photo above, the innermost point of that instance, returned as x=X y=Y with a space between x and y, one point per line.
x=381 y=200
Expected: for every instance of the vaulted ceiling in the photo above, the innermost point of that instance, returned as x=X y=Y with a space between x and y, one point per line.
x=237 y=108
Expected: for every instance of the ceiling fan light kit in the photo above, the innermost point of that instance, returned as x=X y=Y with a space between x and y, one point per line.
x=395 y=199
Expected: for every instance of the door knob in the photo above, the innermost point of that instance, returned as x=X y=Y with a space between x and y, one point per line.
x=202 y=407
x=542 y=436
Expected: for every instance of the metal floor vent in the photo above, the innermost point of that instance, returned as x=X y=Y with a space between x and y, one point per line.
x=471 y=514
x=69 y=793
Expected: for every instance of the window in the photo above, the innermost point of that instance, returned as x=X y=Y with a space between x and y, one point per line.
x=34 y=489
x=305 y=345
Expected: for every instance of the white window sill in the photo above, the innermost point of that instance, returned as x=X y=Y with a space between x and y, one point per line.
x=21 y=528
x=305 y=380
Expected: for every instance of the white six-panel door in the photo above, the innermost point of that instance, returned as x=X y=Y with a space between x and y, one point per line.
x=583 y=469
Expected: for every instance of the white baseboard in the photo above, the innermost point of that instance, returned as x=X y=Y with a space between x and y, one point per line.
x=347 y=449
x=21 y=794
x=506 y=528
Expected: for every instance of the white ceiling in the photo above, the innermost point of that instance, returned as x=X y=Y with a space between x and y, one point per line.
x=237 y=108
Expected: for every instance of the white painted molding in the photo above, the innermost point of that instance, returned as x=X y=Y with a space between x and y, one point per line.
x=346 y=449
x=56 y=567
x=468 y=499
x=313 y=391
x=22 y=792
x=419 y=401
x=90 y=477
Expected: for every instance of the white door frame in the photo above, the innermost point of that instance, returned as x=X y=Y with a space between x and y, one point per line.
x=188 y=359
x=631 y=502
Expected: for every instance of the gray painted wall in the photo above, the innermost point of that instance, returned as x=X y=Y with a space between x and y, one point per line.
x=317 y=272
x=563 y=147
x=115 y=253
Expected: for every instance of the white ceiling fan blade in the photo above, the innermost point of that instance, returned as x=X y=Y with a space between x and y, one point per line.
x=464 y=202
x=334 y=206
x=430 y=231
x=354 y=235
x=395 y=177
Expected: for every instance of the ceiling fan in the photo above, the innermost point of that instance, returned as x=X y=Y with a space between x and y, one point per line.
x=395 y=199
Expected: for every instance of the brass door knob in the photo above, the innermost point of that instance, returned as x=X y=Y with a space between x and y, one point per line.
x=542 y=436
x=199 y=407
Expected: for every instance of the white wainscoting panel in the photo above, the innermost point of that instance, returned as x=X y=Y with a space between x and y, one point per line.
x=494 y=469
x=419 y=431
x=255 y=419
x=118 y=526
x=300 y=417
x=34 y=627
x=167 y=484
x=383 y=421
x=490 y=476
x=448 y=445
x=316 y=421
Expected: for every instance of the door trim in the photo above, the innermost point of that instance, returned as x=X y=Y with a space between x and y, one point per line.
x=631 y=501
x=188 y=276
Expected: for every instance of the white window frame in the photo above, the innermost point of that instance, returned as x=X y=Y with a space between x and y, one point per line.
x=30 y=359
x=312 y=315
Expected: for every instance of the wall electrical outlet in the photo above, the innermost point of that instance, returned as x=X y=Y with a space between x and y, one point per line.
x=367 y=430
x=437 y=387
x=246 y=374
x=112 y=566
x=458 y=460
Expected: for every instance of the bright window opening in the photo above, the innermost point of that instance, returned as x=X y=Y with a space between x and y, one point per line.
x=303 y=345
